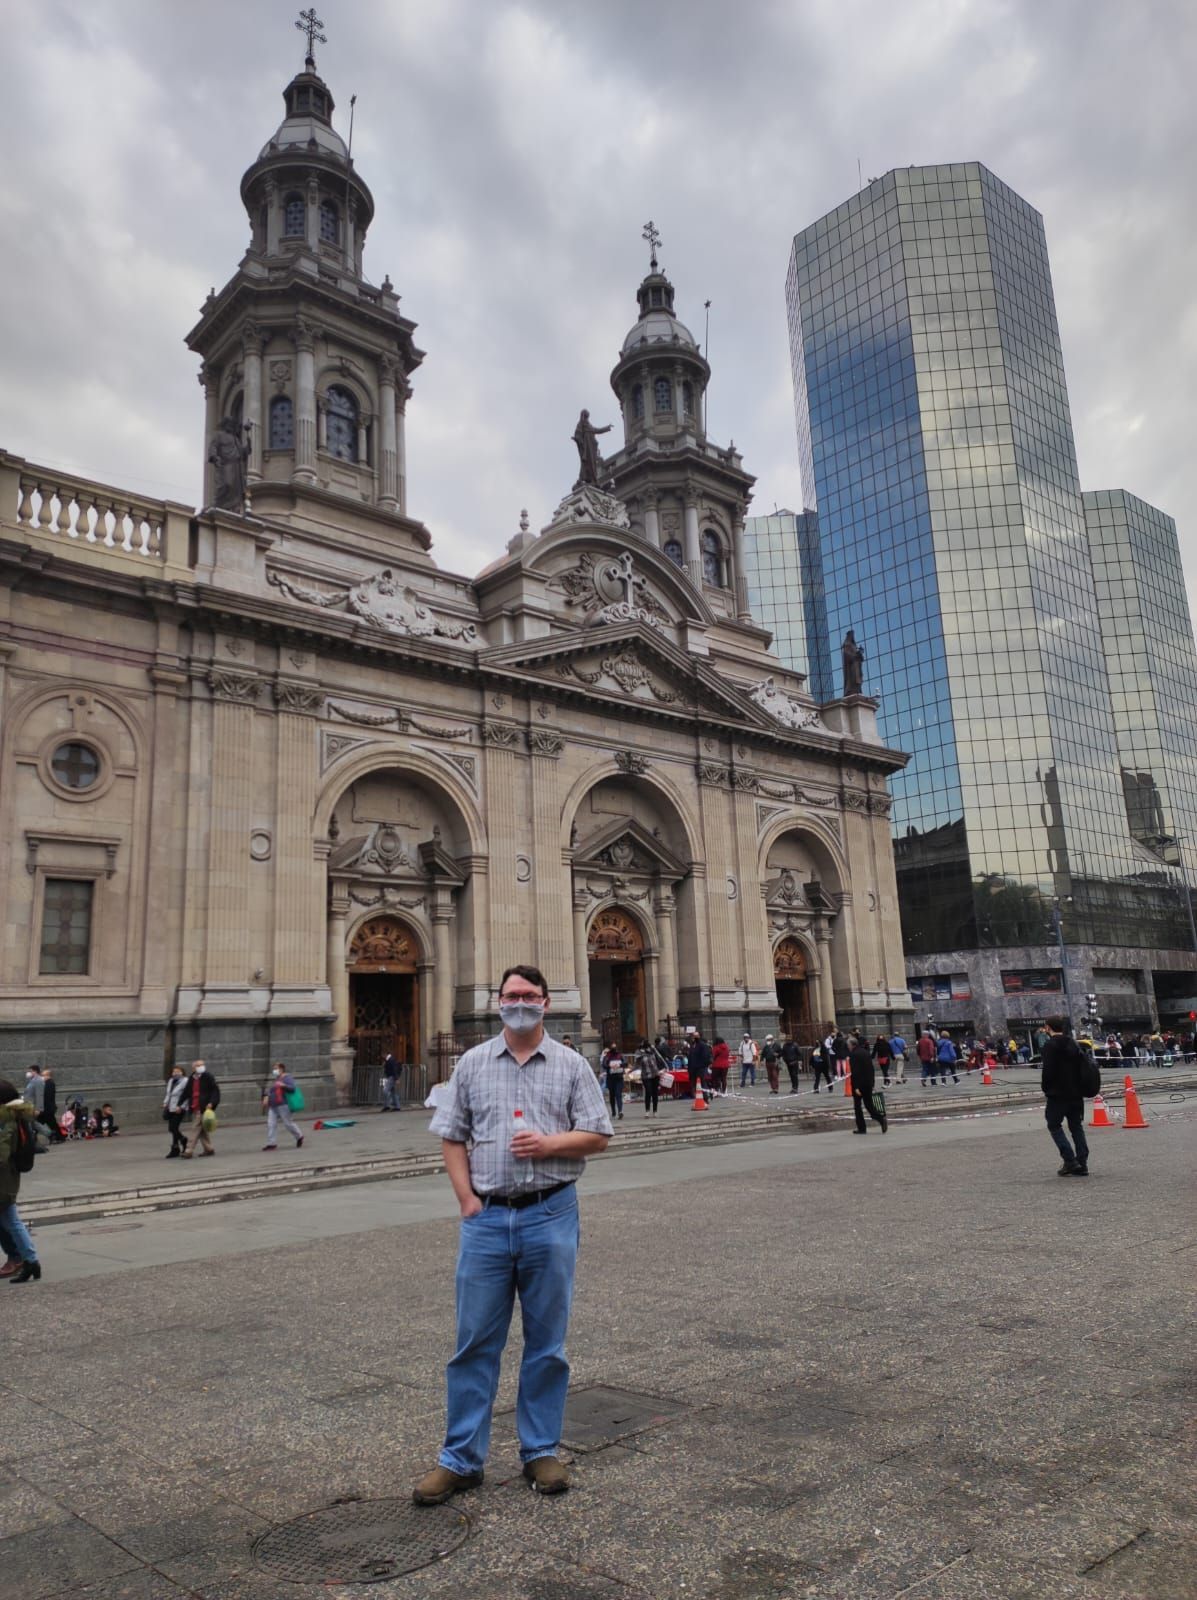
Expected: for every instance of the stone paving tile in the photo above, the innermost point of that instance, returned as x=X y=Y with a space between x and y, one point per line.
x=23 y=1508
x=143 y=1584
x=58 y=1558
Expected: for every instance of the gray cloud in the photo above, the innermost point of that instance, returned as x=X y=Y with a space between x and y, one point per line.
x=515 y=150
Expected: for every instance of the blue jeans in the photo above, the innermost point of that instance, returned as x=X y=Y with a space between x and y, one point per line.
x=533 y=1250
x=1056 y=1113
x=390 y=1100
x=747 y=1074
x=14 y=1232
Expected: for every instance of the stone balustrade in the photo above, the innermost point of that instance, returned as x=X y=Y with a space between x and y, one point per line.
x=85 y=515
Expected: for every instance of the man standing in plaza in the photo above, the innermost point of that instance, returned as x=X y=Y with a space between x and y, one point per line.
x=521 y=1116
x=748 y=1055
x=864 y=1083
x=1063 y=1090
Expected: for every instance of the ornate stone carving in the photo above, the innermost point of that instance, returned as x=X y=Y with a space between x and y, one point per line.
x=789 y=960
x=586 y=502
x=614 y=936
x=523 y=869
x=626 y=669
x=501 y=734
x=775 y=789
x=387 y=851
x=631 y=762
x=745 y=782
x=544 y=742
x=782 y=708
x=335 y=745
x=383 y=600
x=305 y=699
x=623 y=856
x=261 y=844
x=386 y=896
x=855 y=800
x=814 y=797
x=243 y=687
x=381 y=941
x=880 y=805
x=366 y=719
x=712 y=773
x=433 y=731
x=466 y=765
x=610 y=591
x=280 y=374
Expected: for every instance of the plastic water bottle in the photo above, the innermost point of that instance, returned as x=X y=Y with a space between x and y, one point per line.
x=523 y=1166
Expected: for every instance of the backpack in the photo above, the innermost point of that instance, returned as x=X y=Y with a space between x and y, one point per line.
x=28 y=1141
x=1088 y=1075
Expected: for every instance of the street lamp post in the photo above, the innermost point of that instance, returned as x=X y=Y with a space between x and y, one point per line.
x=1059 y=931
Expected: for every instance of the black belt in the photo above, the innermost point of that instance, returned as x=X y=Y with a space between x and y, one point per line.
x=517 y=1202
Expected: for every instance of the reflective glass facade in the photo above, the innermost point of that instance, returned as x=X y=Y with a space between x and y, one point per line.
x=1147 y=634
x=783 y=574
x=933 y=421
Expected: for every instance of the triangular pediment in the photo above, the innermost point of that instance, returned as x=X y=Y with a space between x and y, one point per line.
x=631 y=663
x=626 y=846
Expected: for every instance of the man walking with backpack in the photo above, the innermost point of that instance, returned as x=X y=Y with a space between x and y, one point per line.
x=1065 y=1070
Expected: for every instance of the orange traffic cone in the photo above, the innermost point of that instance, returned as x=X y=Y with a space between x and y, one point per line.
x=1101 y=1117
x=699 y=1101
x=847 y=1086
x=1134 y=1117
x=986 y=1075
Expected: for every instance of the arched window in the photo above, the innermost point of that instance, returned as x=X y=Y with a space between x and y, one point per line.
x=712 y=559
x=342 y=424
x=688 y=399
x=294 y=217
x=673 y=552
x=655 y=297
x=282 y=423
x=662 y=395
x=330 y=222
x=638 y=401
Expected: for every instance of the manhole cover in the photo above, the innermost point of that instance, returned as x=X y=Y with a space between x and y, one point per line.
x=360 y=1541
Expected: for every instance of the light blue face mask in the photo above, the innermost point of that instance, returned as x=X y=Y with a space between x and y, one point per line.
x=521 y=1016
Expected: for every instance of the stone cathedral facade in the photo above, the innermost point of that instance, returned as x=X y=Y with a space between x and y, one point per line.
x=274 y=783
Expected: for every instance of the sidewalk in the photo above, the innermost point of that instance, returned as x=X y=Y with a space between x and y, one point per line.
x=130 y=1173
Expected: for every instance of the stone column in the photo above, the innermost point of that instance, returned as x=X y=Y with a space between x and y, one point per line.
x=273 y=218
x=652 y=520
x=442 y=972
x=581 y=956
x=690 y=540
x=551 y=881
x=232 y=790
x=251 y=348
x=363 y=439
x=679 y=409
x=209 y=379
x=826 y=985
x=321 y=422
x=404 y=395
x=666 y=939
x=425 y=1043
x=305 y=403
x=725 y=954
x=388 y=462
x=336 y=971
x=299 y=890
x=350 y=240
x=312 y=214
x=511 y=903
x=739 y=578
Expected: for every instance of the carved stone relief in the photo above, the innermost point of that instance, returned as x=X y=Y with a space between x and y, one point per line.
x=384 y=600
x=788 y=712
x=610 y=591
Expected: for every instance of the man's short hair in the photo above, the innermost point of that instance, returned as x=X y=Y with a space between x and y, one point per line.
x=529 y=974
x=1056 y=1024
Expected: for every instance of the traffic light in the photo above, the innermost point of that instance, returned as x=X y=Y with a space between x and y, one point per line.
x=1091 y=1004
x=1193 y=1016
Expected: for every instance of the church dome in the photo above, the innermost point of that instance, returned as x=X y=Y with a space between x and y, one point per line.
x=308 y=123
x=657 y=324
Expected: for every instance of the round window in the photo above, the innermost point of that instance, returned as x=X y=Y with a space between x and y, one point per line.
x=75 y=766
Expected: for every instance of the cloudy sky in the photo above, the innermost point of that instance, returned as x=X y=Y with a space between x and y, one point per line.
x=515 y=151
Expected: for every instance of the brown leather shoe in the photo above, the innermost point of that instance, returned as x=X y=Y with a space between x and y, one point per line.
x=547 y=1475
x=441 y=1484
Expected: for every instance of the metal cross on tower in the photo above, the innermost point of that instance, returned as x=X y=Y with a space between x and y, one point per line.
x=654 y=239
x=311 y=24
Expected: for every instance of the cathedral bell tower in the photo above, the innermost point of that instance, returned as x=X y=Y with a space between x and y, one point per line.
x=304 y=360
x=685 y=494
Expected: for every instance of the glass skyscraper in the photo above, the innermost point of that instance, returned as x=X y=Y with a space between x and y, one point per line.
x=784 y=577
x=936 y=443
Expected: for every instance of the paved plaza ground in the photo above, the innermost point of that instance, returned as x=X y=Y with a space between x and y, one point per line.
x=913 y=1365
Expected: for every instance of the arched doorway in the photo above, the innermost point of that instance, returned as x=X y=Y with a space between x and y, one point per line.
x=793 y=990
x=384 y=992
x=615 y=952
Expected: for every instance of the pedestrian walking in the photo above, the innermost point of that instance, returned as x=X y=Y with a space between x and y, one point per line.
x=947 y=1055
x=864 y=1081
x=17 y=1135
x=276 y=1103
x=821 y=1061
x=748 y=1055
x=771 y=1056
x=792 y=1056
x=701 y=1061
x=174 y=1109
x=35 y=1091
x=1062 y=1082
x=720 y=1066
x=519 y=1232
x=926 y=1055
x=203 y=1095
x=616 y=1066
x=650 y=1064
x=883 y=1054
x=897 y=1047
x=49 y=1113
x=390 y=1074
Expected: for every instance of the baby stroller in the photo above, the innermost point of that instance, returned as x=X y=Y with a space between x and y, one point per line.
x=76 y=1111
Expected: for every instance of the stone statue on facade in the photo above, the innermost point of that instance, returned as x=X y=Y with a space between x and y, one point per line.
x=589 y=458
x=853 y=665
x=229 y=455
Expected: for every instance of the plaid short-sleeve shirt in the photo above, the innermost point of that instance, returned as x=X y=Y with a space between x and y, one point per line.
x=555 y=1089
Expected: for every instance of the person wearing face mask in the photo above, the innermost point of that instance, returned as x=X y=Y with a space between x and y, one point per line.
x=174 y=1109
x=203 y=1097
x=277 y=1106
x=519 y=1231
